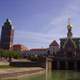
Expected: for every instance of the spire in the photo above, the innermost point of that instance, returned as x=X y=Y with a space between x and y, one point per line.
x=69 y=43
x=8 y=23
x=69 y=21
x=69 y=28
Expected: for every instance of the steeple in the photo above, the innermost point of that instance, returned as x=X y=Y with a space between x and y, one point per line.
x=8 y=23
x=69 y=28
x=7 y=34
x=69 y=43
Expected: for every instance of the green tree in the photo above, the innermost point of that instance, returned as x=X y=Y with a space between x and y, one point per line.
x=9 y=54
x=2 y=54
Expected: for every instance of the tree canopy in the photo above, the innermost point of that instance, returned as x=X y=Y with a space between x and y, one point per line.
x=9 y=54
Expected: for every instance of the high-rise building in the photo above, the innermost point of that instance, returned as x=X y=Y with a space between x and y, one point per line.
x=7 y=34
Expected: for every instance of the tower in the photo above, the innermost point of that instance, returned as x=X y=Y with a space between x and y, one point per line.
x=69 y=44
x=7 y=34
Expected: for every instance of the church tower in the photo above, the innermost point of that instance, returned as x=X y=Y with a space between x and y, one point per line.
x=7 y=34
x=69 y=44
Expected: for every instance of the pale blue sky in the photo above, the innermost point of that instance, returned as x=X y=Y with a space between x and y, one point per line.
x=38 y=22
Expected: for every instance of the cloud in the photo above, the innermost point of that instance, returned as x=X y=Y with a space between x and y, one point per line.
x=33 y=38
x=58 y=24
x=55 y=28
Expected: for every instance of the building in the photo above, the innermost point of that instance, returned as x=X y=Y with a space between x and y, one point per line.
x=64 y=56
x=68 y=55
x=7 y=34
x=53 y=48
x=19 y=47
x=39 y=51
x=36 y=52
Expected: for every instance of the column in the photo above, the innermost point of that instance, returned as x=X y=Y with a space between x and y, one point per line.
x=49 y=64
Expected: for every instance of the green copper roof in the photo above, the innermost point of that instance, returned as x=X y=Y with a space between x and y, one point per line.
x=71 y=41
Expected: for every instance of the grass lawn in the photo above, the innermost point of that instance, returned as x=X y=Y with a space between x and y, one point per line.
x=4 y=65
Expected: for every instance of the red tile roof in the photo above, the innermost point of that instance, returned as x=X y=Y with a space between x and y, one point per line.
x=38 y=49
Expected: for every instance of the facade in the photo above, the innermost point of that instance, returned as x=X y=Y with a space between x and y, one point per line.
x=53 y=48
x=36 y=52
x=7 y=34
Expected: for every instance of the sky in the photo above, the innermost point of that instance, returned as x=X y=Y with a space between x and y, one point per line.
x=38 y=22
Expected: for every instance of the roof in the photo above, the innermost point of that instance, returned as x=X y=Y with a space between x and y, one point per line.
x=39 y=49
x=70 y=43
x=54 y=43
x=72 y=38
x=20 y=45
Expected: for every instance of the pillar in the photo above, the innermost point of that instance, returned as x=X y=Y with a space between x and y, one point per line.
x=49 y=63
x=48 y=68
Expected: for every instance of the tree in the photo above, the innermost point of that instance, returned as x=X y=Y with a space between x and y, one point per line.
x=2 y=54
x=9 y=54
x=13 y=54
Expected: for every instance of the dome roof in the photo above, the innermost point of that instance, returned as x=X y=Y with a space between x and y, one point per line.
x=69 y=26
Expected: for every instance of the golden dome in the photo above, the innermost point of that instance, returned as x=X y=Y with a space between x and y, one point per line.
x=69 y=26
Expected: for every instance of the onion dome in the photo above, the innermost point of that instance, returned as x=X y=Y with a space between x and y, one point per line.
x=69 y=28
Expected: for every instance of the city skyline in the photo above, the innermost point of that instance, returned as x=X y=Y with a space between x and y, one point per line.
x=39 y=22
